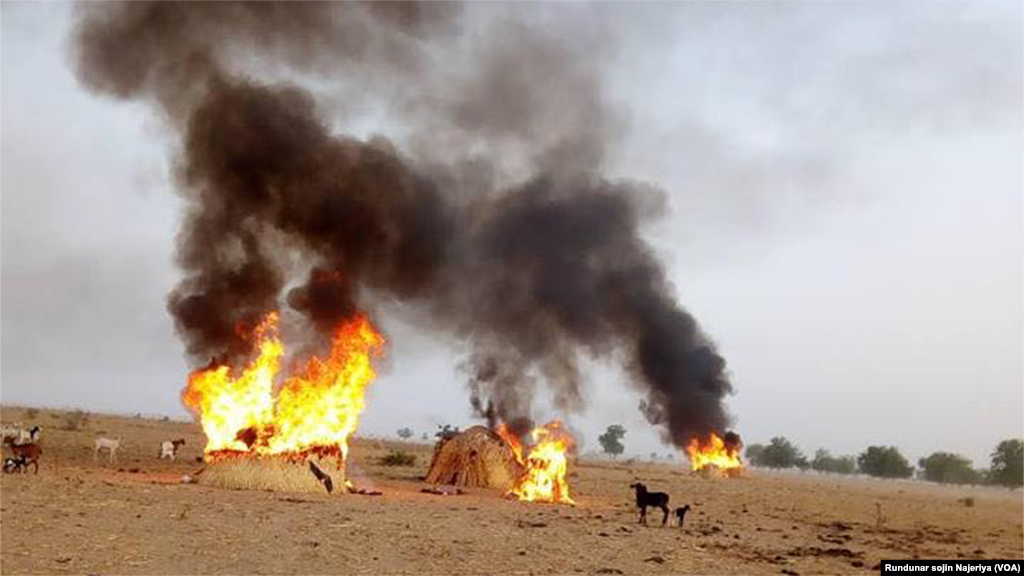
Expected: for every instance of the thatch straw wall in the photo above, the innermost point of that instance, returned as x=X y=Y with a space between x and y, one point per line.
x=270 y=474
x=476 y=457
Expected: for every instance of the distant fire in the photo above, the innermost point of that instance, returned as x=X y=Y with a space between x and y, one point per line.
x=715 y=452
x=546 y=466
x=314 y=411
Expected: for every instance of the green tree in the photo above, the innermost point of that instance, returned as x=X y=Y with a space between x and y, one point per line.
x=822 y=460
x=611 y=440
x=781 y=453
x=825 y=462
x=884 y=462
x=405 y=433
x=755 y=454
x=1008 y=464
x=846 y=465
x=948 y=469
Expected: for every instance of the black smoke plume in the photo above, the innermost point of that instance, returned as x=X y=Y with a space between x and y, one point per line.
x=496 y=219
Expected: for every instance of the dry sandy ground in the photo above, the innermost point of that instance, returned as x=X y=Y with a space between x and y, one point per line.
x=81 y=517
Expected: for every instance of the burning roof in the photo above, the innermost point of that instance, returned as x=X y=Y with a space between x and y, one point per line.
x=312 y=411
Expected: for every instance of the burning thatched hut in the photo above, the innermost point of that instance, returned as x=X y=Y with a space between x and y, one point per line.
x=476 y=457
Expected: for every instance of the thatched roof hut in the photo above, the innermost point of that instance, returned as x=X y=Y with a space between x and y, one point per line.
x=475 y=457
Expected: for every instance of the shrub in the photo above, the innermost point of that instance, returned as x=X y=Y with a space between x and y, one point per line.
x=76 y=420
x=32 y=413
x=398 y=458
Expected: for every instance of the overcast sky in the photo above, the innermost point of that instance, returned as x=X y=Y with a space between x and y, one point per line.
x=846 y=221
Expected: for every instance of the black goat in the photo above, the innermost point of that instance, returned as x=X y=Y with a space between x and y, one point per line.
x=652 y=499
x=681 y=514
x=12 y=465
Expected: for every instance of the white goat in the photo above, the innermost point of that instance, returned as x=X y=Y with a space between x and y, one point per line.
x=12 y=430
x=111 y=444
x=169 y=448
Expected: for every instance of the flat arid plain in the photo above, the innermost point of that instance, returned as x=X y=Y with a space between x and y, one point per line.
x=135 y=516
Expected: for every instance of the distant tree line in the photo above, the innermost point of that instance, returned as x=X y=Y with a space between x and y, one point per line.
x=1007 y=465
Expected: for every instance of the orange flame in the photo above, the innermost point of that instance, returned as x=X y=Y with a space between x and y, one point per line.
x=313 y=411
x=713 y=453
x=546 y=466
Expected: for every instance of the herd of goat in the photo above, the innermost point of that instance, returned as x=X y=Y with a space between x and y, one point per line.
x=24 y=444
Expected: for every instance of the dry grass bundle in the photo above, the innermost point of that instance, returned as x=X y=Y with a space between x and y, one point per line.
x=476 y=457
x=271 y=474
x=716 y=472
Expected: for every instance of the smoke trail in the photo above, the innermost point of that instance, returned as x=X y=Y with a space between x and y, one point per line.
x=558 y=267
x=498 y=222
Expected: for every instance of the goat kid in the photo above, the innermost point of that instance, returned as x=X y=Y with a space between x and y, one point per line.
x=12 y=465
x=680 y=514
x=645 y=499
x=169 y=448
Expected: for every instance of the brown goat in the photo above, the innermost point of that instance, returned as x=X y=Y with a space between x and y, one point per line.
x=30 y=453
